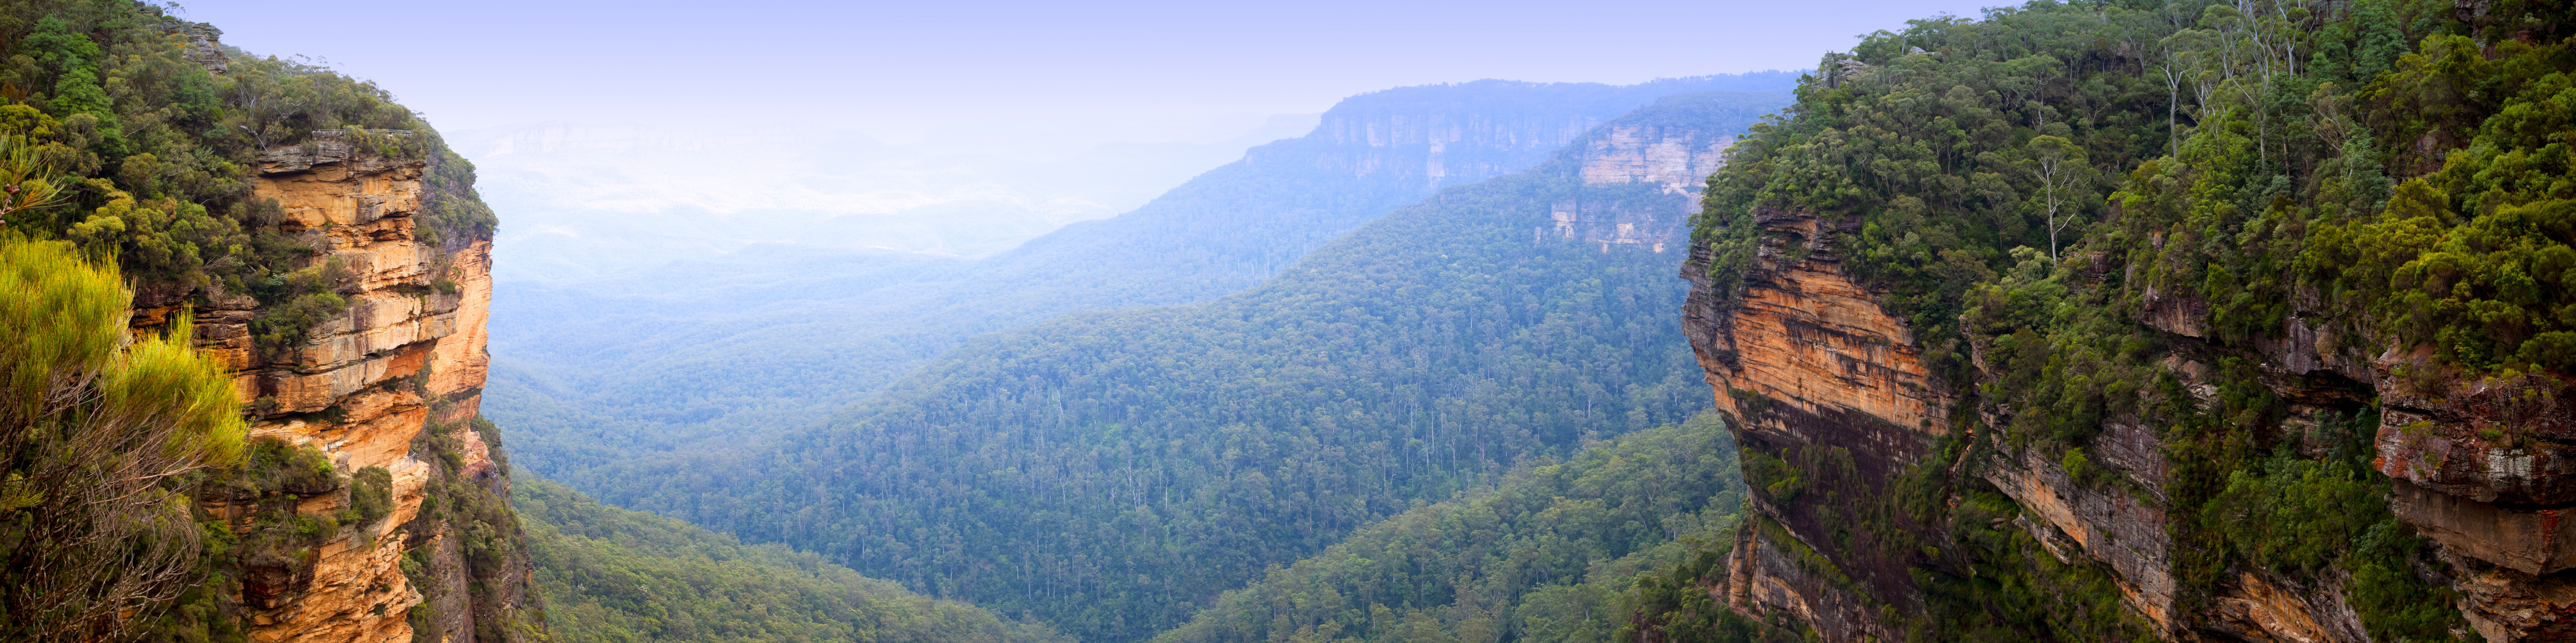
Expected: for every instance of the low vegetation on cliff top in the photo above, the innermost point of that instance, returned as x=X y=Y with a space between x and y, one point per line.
x=127 y=157
x=148 y=154
x=2394 y=172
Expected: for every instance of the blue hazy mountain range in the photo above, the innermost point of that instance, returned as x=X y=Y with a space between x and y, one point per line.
x=778 y=335
x=1111 y=472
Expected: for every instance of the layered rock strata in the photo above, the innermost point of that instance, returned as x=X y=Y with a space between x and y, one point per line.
x=1809 y=363
x=2478 y=466
x=1669 y=158
x=1677 y=159
x=370 y=387
x=1431 y=146
x=1805 y=361
x=2483 y=468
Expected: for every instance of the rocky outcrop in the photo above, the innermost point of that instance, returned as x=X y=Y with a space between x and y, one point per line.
x=1811 y=340
x=205 y=43
x=1805 y=361
x=2482 y=468
x=1435 y=145
x=1672 y=158
x=385 y=384
x=1677 y=158
x=1770 y=571
x=1808 y=362
x=1441 y=135
x=2074 y=521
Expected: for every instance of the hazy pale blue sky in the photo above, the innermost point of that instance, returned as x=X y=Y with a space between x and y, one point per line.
x=893 y=68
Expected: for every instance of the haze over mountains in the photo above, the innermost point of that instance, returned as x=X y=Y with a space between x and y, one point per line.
x=1500 y=322
x=777 y=335
x=2178 y=320
x=606 y=199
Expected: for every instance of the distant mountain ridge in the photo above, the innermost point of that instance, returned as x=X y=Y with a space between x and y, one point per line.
x=734 y=356
x=1111 y=472
x=606 y=200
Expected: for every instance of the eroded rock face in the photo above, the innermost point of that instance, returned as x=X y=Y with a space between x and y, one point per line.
x=1764 y=576
x=1671 y=158
x=1810 y=339
x=1437 y=147
x=407 y=356
x=1808 y=360
x=1667 y=159
x=2124 y=531
x=1677 y=158
x=2482 y=468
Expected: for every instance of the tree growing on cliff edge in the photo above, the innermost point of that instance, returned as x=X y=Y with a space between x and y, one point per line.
x=94 y=425
x=2060 y=169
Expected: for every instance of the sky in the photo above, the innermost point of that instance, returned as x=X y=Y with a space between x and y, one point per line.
x=983 y=73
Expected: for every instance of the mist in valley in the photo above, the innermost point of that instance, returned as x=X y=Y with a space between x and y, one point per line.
x=1339 y=322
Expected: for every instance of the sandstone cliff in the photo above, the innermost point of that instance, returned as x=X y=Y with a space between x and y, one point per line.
x=1809 y=365
x=393 y=382
x=1433 y=136
x=2242 y=386
x=328 y=254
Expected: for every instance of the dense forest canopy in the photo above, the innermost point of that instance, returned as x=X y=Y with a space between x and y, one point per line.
x=669 y=372
x=136 y=138
x=1112 y=472
x=1549 y=553
x=612 y=575
x=1445 y=426
x=2075 y=192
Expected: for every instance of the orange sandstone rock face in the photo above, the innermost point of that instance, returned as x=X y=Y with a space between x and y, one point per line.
x=1809 y=363
x=1809 y=367
x=408 y=352
x=1811 y=339
x=459 y=361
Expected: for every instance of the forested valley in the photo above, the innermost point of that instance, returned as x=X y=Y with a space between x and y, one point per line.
x=610 y=574
x=1445 y=354
x=772 y=338
x=1111 y=472
x=2108 y=320
x=1550 y=552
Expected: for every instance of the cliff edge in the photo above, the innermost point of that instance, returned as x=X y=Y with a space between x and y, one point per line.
x=393 y=383
x=2009 y=360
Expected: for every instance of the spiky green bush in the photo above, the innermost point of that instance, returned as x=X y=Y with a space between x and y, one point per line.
x=98 y=429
